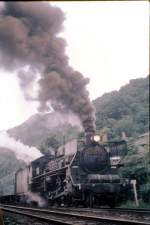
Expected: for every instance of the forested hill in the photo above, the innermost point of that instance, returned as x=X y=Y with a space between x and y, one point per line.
x=124 y=110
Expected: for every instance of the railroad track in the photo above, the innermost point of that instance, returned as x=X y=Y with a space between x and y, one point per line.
x=138 y=210
x=126 y=210
x=70 y=216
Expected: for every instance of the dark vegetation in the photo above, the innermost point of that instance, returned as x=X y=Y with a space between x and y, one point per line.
x=58 y=138
x=137 y=166
x=124 y=110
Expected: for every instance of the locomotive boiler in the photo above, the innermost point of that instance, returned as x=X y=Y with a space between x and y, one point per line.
x=79 y=173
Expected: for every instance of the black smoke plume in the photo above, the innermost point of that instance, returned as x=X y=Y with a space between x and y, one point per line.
x=29 y=38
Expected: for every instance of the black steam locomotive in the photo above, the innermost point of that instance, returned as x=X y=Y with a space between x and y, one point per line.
x=84 y=173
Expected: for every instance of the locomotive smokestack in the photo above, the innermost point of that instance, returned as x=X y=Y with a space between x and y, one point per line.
x=29 y=39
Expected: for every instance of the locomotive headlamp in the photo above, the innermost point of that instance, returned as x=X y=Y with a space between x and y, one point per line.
x=96 y=138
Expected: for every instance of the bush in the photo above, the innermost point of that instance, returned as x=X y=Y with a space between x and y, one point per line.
x=140 y=173
x=145 y=193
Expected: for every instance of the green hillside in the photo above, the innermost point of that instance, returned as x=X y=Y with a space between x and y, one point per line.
x=124 y=110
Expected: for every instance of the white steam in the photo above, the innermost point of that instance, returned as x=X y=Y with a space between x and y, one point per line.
x=57 y=118
x=22 y=152
x=33 y=197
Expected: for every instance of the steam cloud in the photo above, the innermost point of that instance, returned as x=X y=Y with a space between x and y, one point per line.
x=23 y=152
x=62 y=117
x=29 y=38
x=36 y=198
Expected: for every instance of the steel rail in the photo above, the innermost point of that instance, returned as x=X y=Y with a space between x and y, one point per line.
x=74 y=215
x=132 y=210
x=38 y=217
x=128 y=210
x=138 y=210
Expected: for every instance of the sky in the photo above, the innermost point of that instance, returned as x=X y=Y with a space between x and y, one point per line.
x=106 y=41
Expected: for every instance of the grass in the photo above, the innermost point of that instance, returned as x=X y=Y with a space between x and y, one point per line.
x=131 y=204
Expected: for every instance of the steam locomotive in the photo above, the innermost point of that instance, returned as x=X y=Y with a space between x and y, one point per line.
x=79 y=173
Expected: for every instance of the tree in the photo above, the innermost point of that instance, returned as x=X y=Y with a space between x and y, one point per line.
x=49 y=145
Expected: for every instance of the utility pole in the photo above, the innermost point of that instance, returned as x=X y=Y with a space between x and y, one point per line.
x=133 y=182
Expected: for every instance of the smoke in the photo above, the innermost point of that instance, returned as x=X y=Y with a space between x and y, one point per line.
x=29 y=38
x=27 y=79
x=63 y=117
x=22 y=152
x=33 y=197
